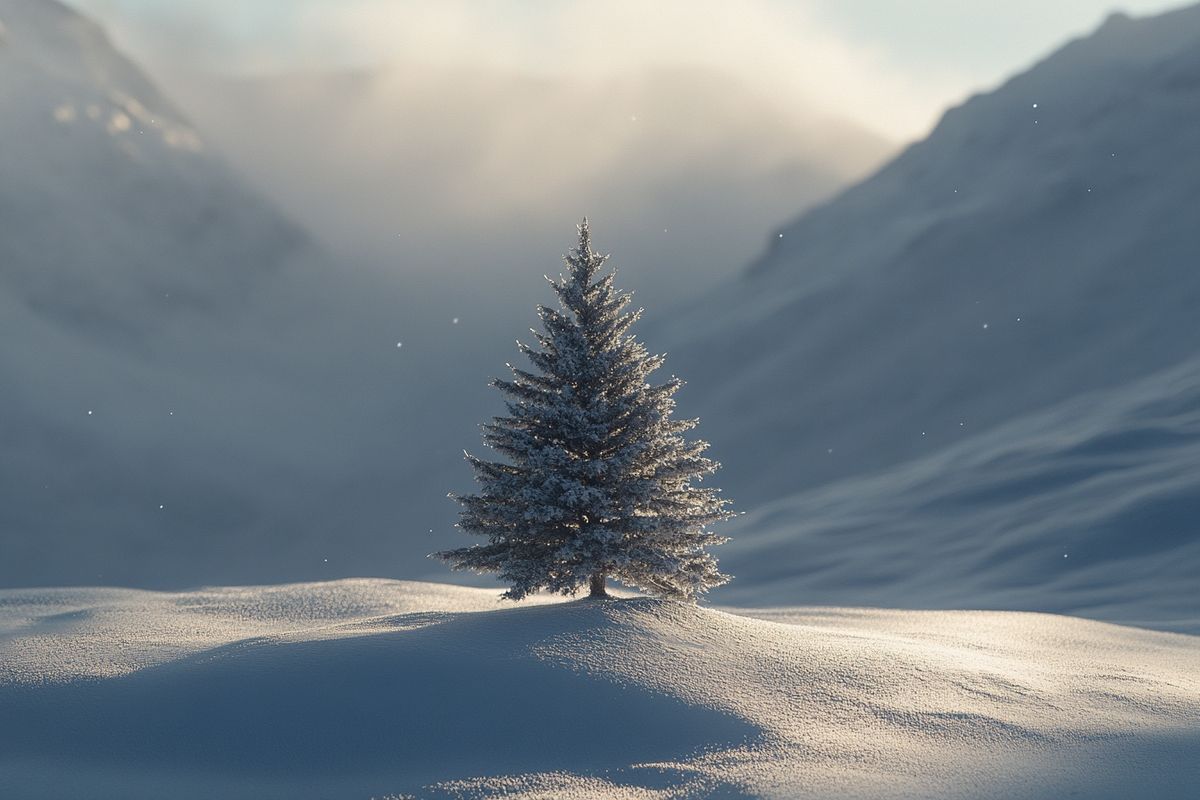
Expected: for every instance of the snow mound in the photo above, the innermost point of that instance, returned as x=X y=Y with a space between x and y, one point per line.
x=377 y=688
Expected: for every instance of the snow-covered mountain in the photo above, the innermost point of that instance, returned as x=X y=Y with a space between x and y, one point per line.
x=1038 y=248
x=115 y=217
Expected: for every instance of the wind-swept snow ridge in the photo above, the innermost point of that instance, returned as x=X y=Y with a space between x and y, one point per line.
x=371 y=688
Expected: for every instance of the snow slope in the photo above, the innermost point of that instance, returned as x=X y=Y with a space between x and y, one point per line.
x=1056 y=211
x=376 y=688
x=1087 y=508
x=1035 y=255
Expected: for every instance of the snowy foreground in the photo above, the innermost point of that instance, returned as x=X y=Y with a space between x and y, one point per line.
x=371 y=688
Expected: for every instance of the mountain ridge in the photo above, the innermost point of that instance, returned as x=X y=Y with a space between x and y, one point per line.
x=892 y=283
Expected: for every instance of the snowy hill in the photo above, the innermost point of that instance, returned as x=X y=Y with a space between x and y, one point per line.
x=1037 y=248
x=376 y=688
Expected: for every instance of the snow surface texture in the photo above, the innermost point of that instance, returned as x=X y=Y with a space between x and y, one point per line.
x=985 y=341
x=371 y=688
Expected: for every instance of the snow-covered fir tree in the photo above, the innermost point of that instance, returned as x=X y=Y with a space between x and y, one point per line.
x=598 y=480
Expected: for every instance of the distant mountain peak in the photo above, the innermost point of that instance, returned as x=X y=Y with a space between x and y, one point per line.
x=67 y=61
x=110 y=204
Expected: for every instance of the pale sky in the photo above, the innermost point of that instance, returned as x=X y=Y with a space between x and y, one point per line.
x=891 y=65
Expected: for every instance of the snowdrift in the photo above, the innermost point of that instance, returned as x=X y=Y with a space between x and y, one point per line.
x=377 y=688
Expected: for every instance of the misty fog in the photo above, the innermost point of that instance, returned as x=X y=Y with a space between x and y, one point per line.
x=453 y=174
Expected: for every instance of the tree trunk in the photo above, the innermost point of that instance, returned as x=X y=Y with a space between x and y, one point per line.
x=598 y=590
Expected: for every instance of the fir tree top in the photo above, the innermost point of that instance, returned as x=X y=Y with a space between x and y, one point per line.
x=598 y=480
